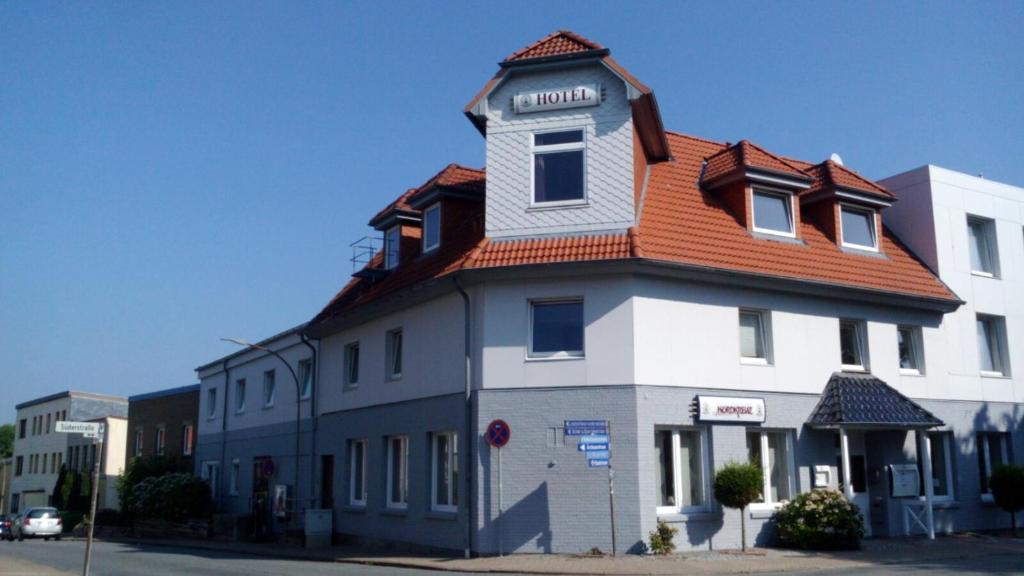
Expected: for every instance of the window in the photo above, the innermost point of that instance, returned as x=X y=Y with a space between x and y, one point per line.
x=682 y=462
x=236 y=472
x=306 y=377
x=392 y=243
x=357 y=473
x=556 y=329
x=211 y=403
x=773 y=213
x=858 y=228
x=853 y=345
x=393 y=350
x=21 y=428
x=445 y=477
x=352 y=364
x=161 y=440
x=992 y=349
x=558 y=167
x=47 y=423
x=942 y=466
x=210 y=471
x=772 y=452
x=910 y=349
x=138 y=441
x=992 y=451
x=187 y=437
x=269 y=388
x=19 y=464
x=240 y=396
x=432 y=228
x=981 y=236
x=754 y=337
x=398 y=472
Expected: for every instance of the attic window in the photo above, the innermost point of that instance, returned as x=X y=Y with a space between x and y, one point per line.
x=558 y=168
x=432 y=228
x=392 y=239
x=773 y=213
x=858 y=228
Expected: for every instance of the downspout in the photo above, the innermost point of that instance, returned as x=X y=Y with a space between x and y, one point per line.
x=467 y=325
x=223 y=436
x=314 y=419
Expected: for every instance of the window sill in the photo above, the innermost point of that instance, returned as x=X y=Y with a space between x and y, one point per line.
x=441 y=515
x=268 y=406
x=755 y=362
x=353 y=386
x=910 y=372
x=393 y=378
x=996 y=375
x=762 y=511
x=987 y=500
x=394 y=511
x=981 y=274
x=543 y=206
x=776 y=237
x=854 y=368
x=553 y=358
x=862 y=252
x=697 y=516
x=355 y=508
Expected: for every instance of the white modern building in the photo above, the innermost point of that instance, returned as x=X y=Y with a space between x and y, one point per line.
x=40 y=451
x=83 y=453
x=695 y=302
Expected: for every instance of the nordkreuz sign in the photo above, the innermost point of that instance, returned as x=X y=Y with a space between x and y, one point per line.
x=728 y=409
x=79 y=427
x=557 y=99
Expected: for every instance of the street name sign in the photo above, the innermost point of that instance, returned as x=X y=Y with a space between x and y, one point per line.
x=91 y=429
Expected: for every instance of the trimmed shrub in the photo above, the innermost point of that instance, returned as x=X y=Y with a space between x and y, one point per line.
x=661 y=539
x=1007 y=483
x=171 y=497
x=820 y=520
x=139 y=468
x=736 y=486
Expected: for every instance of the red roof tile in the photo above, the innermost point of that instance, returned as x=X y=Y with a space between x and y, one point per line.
x=455 y=177
x=747 y=154
x=555 y=44
x=547 y=250
x=829 y=174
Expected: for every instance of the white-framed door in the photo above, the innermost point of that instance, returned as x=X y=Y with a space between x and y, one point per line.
x=858 y=474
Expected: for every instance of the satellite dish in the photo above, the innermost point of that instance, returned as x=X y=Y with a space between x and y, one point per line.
x=836 y=158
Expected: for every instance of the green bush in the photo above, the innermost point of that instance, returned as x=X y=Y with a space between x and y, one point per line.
x=661 y=539
x=69 y=519
x=736 y=486
x=171 y=497
x=139 y=468
x=820 y=520
x=1007 y=483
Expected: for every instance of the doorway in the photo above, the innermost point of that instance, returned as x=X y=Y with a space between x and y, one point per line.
x=858 y=473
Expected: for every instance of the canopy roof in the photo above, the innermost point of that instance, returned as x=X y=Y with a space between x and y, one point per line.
x=863 y=401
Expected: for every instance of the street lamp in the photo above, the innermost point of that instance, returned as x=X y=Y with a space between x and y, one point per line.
x=298 y=405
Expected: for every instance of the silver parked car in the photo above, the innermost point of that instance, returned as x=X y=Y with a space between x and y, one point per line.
x=40 y=522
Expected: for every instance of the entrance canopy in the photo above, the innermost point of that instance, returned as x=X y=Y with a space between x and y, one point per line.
x=853 y=400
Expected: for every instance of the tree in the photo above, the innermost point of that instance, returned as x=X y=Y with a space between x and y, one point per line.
x=6 y=440
x=736 y=486
x=1007 y=483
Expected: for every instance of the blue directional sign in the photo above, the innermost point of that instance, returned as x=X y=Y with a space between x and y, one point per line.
x=598 y=463
x=586 y=447
x=598 y=455
x=594 y=439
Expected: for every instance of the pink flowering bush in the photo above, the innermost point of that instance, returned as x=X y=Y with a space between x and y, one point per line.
x=820 y=519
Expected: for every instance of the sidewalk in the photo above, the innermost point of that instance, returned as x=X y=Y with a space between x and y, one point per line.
x=916 y=551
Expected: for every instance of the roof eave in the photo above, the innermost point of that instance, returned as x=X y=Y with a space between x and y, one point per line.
x=582 y=55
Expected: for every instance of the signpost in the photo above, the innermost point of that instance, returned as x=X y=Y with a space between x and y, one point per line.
x=498 y=434
x=594 y=442
x=92 y=430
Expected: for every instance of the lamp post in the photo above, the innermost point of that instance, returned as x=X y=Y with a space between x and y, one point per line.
x=298 y=406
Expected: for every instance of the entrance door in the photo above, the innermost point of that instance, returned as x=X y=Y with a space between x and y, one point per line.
x=858 y=474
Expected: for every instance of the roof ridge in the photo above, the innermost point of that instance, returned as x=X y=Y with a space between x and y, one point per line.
x=773 y=155
x=587 y=43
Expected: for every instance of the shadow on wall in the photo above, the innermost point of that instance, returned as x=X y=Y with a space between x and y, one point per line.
x=700 y=533
x=526 y=522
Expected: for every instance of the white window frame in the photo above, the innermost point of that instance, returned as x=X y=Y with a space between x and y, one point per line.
x=561 y=354
x=544 y=149
x=946 y=439
x=452 y=504
x=392 y=257
x=998 y=346
x=269 y=388
x=350 y=359
x=236 y=472
x=765 y=324
x=357 y=500
x=990 y=249
x=306 y=378
x=985 y=451
x=426 y=221
x=790 y=211
x=240 y=391
x=211 y=403
x=705 y=480
x=161 y=440
x=188 y=434
x=861 y=341
x=916 y=349
x=767 y=503
x=874 y=227
x=403 y=472
x=394 y=350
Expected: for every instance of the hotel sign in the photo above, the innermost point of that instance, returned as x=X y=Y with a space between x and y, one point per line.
x=557 y=99
x=730 y=409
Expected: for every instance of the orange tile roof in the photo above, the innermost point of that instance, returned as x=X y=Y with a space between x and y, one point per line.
x=455 y=177
x=555 y=44
x=747 y=154
x=828 y=174
x=547 y=250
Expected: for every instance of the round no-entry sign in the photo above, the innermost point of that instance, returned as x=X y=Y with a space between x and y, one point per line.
x=498 y=433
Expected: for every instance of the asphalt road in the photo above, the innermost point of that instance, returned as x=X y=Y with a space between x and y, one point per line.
x=997 y=564
x=111 y=559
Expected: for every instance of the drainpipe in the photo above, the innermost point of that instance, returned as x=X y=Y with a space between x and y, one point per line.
x=314 y=418
x=469 y=415
x=223 y=436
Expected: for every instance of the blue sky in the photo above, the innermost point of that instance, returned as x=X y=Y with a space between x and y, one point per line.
x=171 y=173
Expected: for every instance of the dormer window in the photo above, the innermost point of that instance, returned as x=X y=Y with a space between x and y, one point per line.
x=392 y=240
x=558 y=168
x=431 y=228
x=773 y=213
x=858 y=228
